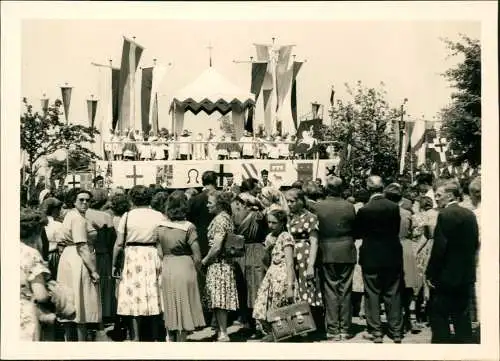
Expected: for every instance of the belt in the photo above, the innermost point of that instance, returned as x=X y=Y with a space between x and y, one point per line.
x=140 y=244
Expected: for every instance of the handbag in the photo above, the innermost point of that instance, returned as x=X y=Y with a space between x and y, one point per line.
x=291 y=320
x=234 y=246
x=120 y=257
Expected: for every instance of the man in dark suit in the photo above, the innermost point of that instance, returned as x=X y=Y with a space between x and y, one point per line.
x=381 y=259
x=198 y=211
x=452 y=267
x=337 y=257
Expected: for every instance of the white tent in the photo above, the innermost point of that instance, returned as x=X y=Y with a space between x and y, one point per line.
x=211 y=92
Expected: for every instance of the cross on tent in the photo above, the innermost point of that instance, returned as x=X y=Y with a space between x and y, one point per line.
x=134 y=175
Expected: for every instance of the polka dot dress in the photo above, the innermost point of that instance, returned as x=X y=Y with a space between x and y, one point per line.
x=300 y=226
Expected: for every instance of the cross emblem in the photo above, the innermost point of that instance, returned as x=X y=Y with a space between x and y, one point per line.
x=440 y=146
x=134 y=175
x=74 y=182
x=221 y=175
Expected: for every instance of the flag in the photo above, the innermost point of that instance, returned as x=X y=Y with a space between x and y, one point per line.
x=146 y=86
x=409 y=125
x=45 y=104
x=438 y=146
x=267 y=95
x=284 y=74
x=263 y=55
x=418 y=140
x=159 y=72
x=249 y=122
x=259 y=71
x=293 y=101
x=66 y=99
x=131 y=55
x=332 y=95
x=91 y=109
x=315 y=110
x=115 y=90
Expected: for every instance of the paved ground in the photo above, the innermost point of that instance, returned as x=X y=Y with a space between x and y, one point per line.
x=237 y=334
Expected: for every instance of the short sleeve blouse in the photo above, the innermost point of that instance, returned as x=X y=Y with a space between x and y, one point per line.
x=77 y=229
x=301 y=225
x=32 y=265
x=221 y=225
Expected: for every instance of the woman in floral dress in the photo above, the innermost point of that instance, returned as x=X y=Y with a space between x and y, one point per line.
x=34 y=273
x=139 y=288
x=277 y=287
x=221 y=294
x=303 y=226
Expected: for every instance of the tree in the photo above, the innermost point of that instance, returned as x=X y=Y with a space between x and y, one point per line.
x=462 y=118
x=44 y=134
x=362 y=127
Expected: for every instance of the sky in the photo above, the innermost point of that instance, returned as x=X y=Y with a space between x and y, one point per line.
x=408 y=56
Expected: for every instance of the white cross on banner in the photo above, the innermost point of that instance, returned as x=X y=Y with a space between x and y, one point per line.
x=129 y=174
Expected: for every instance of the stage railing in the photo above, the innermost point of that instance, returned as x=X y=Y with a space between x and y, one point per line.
x=219 y=147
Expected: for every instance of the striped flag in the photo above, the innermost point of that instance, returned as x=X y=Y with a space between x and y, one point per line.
x=263 y=55
x=131 y=55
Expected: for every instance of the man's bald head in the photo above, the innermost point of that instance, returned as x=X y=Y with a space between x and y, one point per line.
x=374 y=184
x=333 y=186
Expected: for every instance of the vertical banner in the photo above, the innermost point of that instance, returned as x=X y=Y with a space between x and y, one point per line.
x=409 y=125
x=91 y=109
x=154 y=115
x=131 y=55
x=146 y=86
x=115 y=90
x=249 y=122
x=66 y=99
x=293 y=101
x=159 y=72
x=45 y=104
x=284 y=74
x=259 y=70
x=267 y=95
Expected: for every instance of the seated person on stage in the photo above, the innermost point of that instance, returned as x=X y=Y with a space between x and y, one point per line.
x=247 y=146
x=234 y=149
x=222 y=149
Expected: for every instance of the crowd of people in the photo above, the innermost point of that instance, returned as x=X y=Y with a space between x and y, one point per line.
x=149 y=260
x=134 y=145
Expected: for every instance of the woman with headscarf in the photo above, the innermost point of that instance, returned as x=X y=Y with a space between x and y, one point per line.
x=34 y=274
x=77 y=269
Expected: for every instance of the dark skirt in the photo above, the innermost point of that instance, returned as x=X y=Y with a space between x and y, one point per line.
x=53 y=261
x=106 y=284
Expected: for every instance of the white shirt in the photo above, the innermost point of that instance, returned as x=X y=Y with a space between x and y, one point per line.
x=430 y=194
x=141 y=224
x=54 y=232
x=247 y=148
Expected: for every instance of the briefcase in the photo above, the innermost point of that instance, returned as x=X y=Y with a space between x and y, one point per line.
x=234 y=246
x=291 y=320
